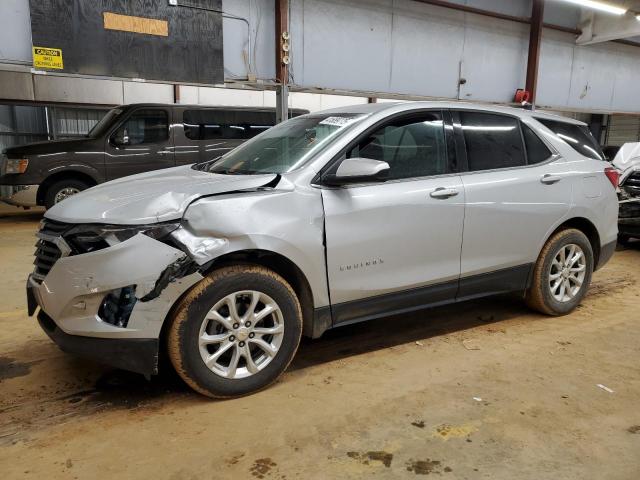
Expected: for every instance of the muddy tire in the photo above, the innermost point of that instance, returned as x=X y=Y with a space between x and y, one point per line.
x=235 y=332
x=562 y=273
x=63 y=189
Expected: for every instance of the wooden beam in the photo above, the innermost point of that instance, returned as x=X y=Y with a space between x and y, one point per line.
x=282 y=30
x=535 y=39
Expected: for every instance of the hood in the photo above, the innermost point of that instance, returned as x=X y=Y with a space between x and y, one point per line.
x=627 y=160
x=49 y=146
x=150 y=197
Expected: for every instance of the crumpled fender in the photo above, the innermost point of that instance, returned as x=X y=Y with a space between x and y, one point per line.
x=286 y=221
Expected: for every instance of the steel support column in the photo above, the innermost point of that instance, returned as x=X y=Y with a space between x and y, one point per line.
x=282 y=59
x=535 y=39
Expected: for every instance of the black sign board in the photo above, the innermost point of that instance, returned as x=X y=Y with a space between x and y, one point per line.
x=145 y=39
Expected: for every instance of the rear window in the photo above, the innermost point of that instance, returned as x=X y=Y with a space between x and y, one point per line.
x=492 y=141
x=577 y=137
x=227 y=124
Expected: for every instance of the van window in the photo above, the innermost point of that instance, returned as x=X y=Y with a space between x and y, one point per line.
x=226 y=124
x=144 y=126
x=492 y=141
x=413 y=147
x=577 y=137
x=537 y=151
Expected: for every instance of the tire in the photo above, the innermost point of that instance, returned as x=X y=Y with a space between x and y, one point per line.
x=205 y=313
x=540 y=296
x=52 y=195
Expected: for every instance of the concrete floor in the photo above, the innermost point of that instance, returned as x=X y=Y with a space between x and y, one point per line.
x=479 y=390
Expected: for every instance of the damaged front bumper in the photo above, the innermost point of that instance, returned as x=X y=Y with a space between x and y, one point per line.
x=629 y=214
x=73 y=294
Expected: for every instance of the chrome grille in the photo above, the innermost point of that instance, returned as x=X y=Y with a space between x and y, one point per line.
x=50 y=247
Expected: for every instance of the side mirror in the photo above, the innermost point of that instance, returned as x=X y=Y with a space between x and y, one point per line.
x=358 y=170
x=121 y=138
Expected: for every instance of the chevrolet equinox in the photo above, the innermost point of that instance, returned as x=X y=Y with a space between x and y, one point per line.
x=327 y=219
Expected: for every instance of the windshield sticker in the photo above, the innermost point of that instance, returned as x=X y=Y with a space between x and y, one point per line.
x=338 y=121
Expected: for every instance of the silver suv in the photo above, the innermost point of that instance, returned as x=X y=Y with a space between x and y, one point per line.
x=327 y=219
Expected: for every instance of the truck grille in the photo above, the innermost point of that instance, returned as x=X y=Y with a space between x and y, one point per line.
x=48 y=247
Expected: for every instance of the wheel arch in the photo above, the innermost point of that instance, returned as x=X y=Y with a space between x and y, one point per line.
x=585 y=226
x=65 y=174
x=280 y=264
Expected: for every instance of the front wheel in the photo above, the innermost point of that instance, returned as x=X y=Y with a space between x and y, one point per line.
x=235 y=332
x=63 y=189
x=562 y=273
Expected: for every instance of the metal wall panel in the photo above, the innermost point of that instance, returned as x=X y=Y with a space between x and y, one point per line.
x=344 y=44
x=249 y=49
x=420 y=49
x=494 y=60
x=77 y=90
x=15 y=31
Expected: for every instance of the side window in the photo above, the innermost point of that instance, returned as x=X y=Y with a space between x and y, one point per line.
x=492 y=141
x=577 y=137
x=413 y=147
x=143 y=126
x=226 y=124
x=537 y=151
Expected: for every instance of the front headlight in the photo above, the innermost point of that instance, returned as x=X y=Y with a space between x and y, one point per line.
x=16 y=165
x=89 y=238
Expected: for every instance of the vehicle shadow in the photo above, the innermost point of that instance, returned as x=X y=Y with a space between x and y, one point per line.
x=382 y=333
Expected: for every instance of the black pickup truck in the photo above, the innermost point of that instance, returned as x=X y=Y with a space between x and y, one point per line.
x=129 y=139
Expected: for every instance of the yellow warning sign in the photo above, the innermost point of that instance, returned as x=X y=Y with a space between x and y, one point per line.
x=47 y=58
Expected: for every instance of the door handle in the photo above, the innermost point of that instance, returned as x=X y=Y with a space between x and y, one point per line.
x=442 y=192
x=549 y=179
x=164 y=152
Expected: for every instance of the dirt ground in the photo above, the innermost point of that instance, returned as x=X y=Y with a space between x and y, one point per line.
x=478 y=390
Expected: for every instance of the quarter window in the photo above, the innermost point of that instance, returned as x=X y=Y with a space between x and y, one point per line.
x=144 y=126
x=577 y=137
x=492 y=141
x=226 y=124
x=413 y=147
x=537 y=151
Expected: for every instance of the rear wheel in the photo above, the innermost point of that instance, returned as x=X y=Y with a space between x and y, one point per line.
x=63 y=189
x=562 y=273
x=235 y=332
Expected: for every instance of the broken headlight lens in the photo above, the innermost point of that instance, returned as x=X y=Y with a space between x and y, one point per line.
x=89 y=238
x=156 y=232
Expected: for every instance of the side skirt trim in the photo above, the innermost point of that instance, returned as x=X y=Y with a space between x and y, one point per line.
x=514 y=279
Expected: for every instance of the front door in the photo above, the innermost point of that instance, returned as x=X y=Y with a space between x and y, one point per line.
x=395 y=246
x=140 y=144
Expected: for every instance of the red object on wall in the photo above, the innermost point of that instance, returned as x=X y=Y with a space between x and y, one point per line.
x=522 y=96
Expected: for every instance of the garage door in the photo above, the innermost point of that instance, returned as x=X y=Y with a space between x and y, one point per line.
x=623 y=129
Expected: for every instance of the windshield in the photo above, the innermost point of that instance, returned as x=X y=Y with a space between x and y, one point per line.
x=283 y=148
x=105 y=122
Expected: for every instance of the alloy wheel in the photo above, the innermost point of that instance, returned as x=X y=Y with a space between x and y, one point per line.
x=241 y=334
x=567 y=273
x=65 y=193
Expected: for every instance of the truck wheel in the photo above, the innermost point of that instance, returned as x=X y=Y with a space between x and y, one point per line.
x=562 y=274
x=62 y=189
x=235 y=332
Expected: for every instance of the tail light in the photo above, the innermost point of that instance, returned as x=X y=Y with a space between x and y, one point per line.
x=613 y=175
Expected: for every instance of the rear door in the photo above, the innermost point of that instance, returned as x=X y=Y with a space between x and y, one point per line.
x=141 y=143
x=213 y=132
x=516 y=190
x=396 y=245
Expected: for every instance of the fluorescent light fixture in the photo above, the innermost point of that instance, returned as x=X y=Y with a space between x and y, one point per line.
x=601 y=6
x=638 y=17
